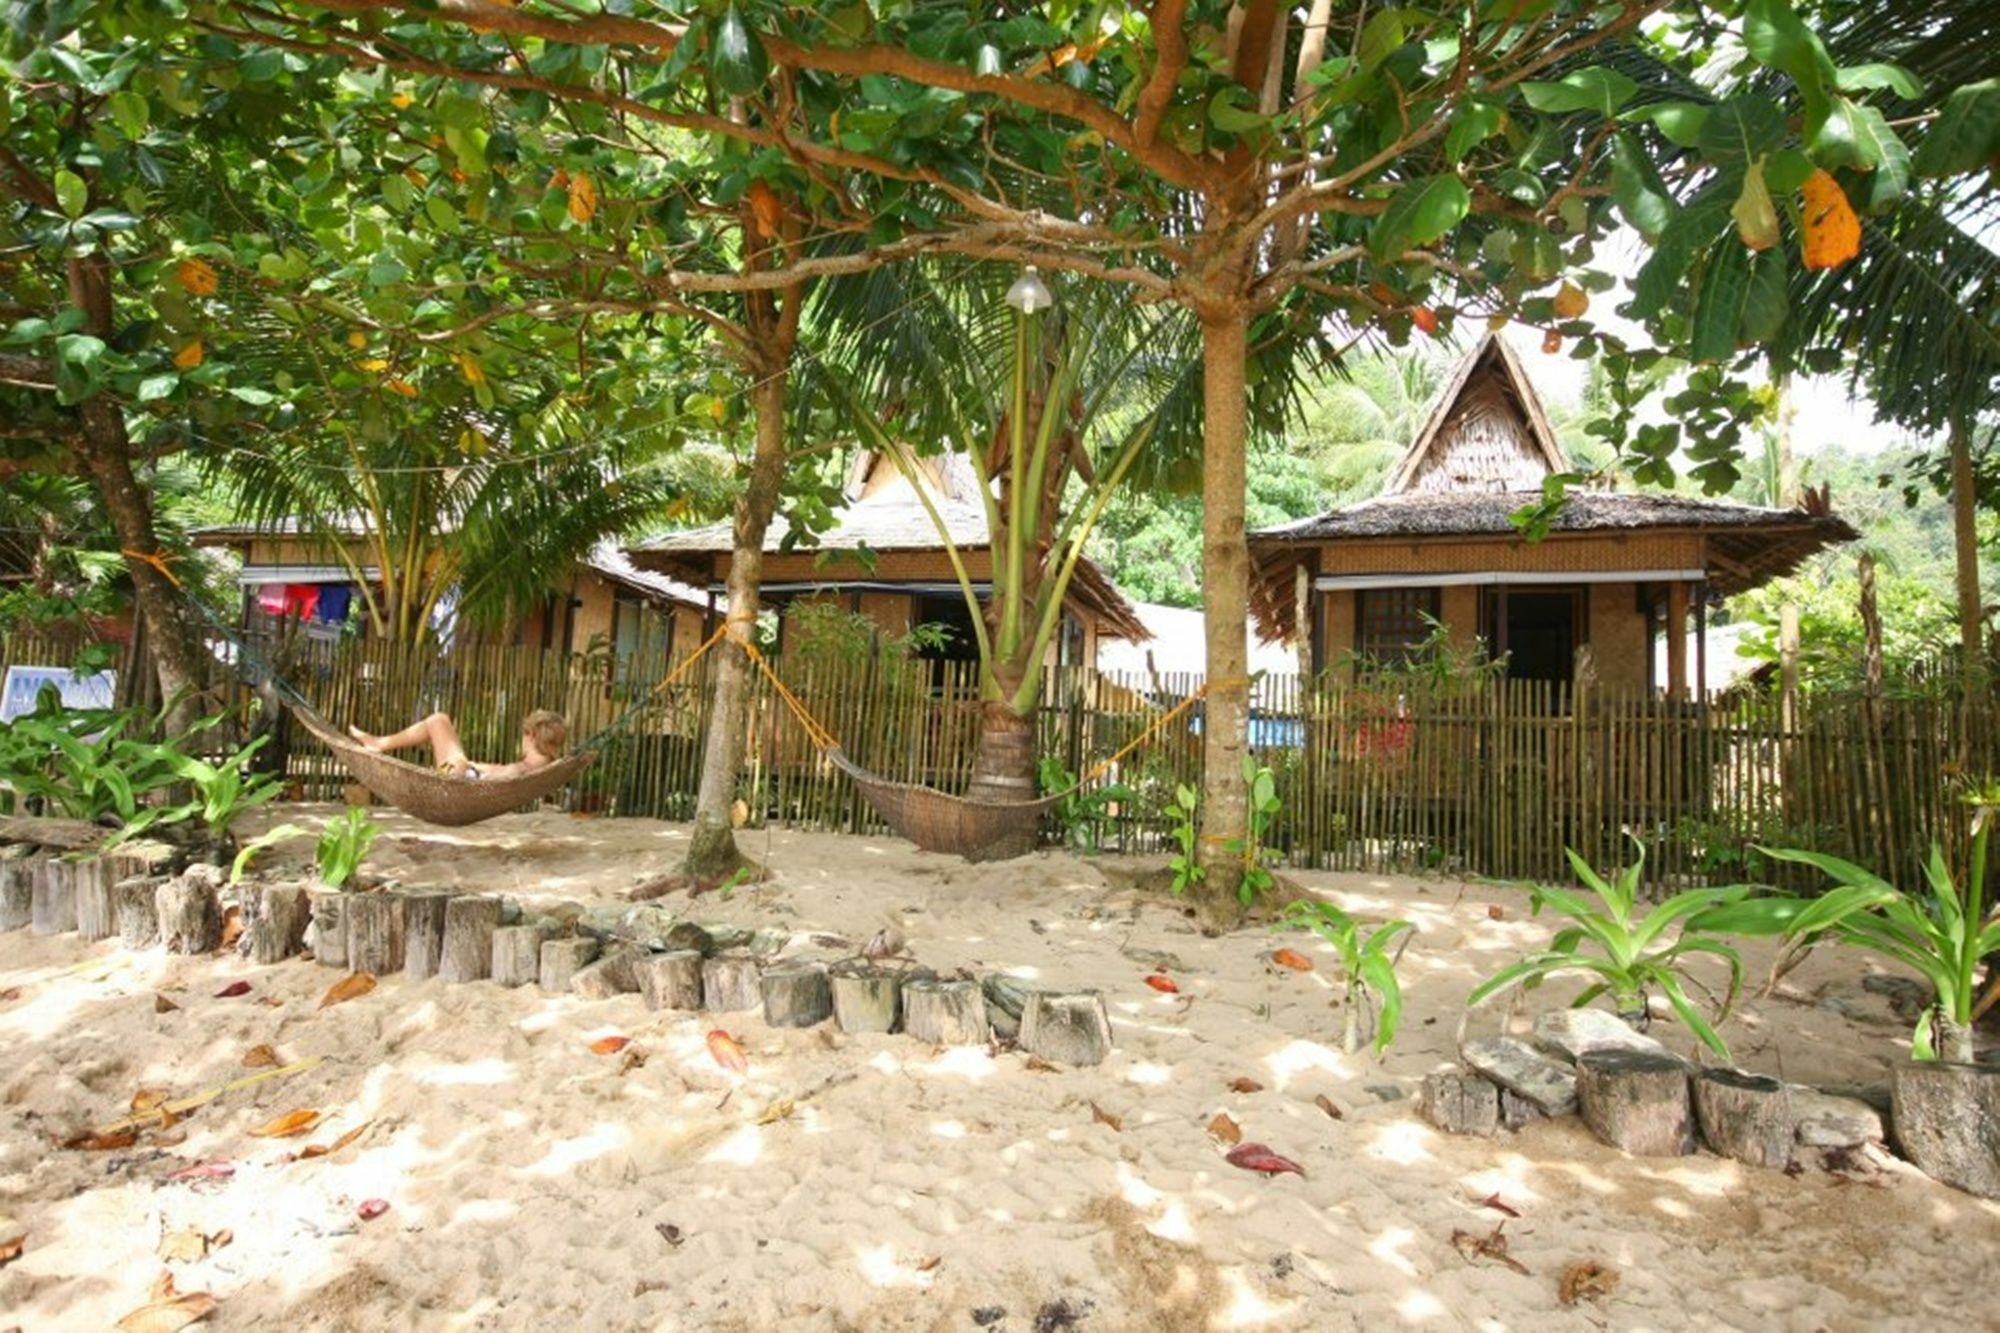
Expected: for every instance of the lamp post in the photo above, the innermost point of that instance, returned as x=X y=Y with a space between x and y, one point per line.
x=1029 y=294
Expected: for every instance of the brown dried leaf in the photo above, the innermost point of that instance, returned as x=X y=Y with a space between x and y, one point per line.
x=1586 y=1280
x=1492 y=1245
x=162 y=1005
x=925 y=1265
x=232 y=926
x=1499 y=1205
x=779 y=1110
x=11 y=1250
x=261 y=1057
x=609 y=1045
x=1245 y=1085
x=186 y=1246
x=1103 y=1117
x=170 y=1315
x=1038 y=1065
x=352 y=986
x=95 y=1142
x=1325 y=1103
x=232 y=990
x=1225 y=1130
x=312 y=1150
x=1495 y=912
x=11 y=994
x=288 y=1125
x=1293 y=959
x=634 y=1059
x=148 y=1099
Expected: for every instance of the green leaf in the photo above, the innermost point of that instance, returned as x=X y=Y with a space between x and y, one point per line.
x=1741 y=130
x=72 y=195
x=1852 y=135
x=1680 y=122
x=1966 y=134
x=1720 y=302
x=1380 y=37
x=1756 y=216
x=79 y=367
x=155 y=387
x=131 y=113
x=1637 y=189
x=1232 y=112
x=255 y=397
x=1891 y=178
x=1418 y=214
x=1861 y=78
x=736 y=59
x=1775 y=36
x=1768 y=304
x=1595 y=88
x=442 y=215
x=1475 y=123
x=1677 y=997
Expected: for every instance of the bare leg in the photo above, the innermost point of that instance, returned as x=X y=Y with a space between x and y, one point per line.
x=436 y=731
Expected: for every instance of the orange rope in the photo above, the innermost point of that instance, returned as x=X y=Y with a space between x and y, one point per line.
x=1104 y=766
x=156 y=560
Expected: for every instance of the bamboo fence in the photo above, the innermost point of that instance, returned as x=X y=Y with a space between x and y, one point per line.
x=1487 y=777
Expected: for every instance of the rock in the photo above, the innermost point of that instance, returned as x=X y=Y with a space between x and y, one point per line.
x=646 y=925
x=613 y=974
x=1947 y=1119
x=562 y=959
x=1826 y=1121
x=1574 y=1033
x=1906 y=995
x=1461 y=1103
x=1545 y=1083
x=1637 y=1102
x=1517 y=1111
x=1383 y=1092
x=510 y=910
x=766 y=941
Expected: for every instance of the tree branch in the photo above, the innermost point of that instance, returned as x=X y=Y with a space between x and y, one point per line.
x=1171 y=52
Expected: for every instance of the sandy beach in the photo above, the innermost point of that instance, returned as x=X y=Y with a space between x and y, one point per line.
x=873 y=1183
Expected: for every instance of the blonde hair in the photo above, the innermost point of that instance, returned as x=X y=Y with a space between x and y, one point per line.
x=548 y=730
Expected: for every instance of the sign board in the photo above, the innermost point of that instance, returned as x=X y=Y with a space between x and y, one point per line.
x=25 y=683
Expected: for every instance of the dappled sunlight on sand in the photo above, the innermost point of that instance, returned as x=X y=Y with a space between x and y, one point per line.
x=742 y=1148
x=566 y=1155
x=1404 y=1142
x=1388 y=1247
x=1301 y=1057
x=1247 y=1307
x=1420 y=1306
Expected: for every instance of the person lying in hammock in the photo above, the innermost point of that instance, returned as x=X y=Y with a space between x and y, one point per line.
x=543 y=735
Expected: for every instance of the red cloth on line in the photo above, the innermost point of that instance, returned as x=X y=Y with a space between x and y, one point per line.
x=301 y=599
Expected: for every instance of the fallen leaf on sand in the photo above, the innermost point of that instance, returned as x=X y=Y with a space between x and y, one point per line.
x=927 y=1264
x=232 y=990
x=1586 y=1280
x=170 y=1315
x=146 y=1100
x=371 y=1209
x=1038 y=1065
x=1325 y=1103
x=1499 y=1205
x=123 y=1138
x=286 y=1126
x=11 y=1250
x=670 y=1233
x=1495 y=912
x=350 y=987
x=1492 y=1245
x=203 y=1171
x=1257 y=1157
x=312 y=1150
x=1225 y=1129
x=728 y=1052
x=1291 y=958
x=259 y=1057
x=232 y=927
x=1245 y=1085
x=1164 y=985
x=634 y=1059
x=609 y=1045
x=162 y=1005
x=11 y=994
x=1101 y=1116
x=779 y=1110
x=186 y=1246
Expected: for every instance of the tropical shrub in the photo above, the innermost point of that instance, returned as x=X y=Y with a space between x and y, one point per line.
x=1625 y=951
x=1366 y=964
x=1186 y=863
x=1080 y=812
x=344 y=842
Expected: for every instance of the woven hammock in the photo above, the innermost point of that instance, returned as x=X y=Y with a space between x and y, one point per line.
x=940 y=822
x=434 y=797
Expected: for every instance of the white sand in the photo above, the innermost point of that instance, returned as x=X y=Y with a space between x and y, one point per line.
x=529 y=1179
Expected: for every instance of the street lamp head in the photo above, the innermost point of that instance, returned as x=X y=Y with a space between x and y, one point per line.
x=1030 y=294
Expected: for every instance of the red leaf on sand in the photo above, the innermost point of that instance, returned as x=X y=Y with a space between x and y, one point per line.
x=728 y=1051
x=1257 y=1157
x=1298 y=962
x=204 y=1171
x=610 y=1045
x=162 y=1005
x=371 y=1209
x=232 y=990
x=1499 y=1205
x=1164 y=985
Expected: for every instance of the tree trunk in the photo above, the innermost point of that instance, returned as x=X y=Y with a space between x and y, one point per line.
x=1225 y=570
x=712 y=851
x=1965 y=541
x=1003 y=762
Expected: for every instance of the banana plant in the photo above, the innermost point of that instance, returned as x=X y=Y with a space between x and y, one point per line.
x=1625 y=951
x=1365 y=962
x=343 y=845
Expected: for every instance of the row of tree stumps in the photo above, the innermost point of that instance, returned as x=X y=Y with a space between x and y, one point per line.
x=429 y=933
x=1635 y=1095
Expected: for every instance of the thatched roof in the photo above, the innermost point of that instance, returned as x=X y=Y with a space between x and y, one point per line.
x=891 y=518
x=613 y=564
x=1486 y=431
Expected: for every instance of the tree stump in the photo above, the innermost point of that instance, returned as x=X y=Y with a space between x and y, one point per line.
x=796 y=995
x=95 y=919
x=328 y=936
x=423 y=932
x=138 y=913
x=671 y=980
x=1637 y=1102
x=616 y=973
x=1461 y=1103
x=563 y=959
x=729 y=984
x=517 y=955
x=377 y=932
x=1947 y=1120
x=1069 y=1029
x=945 y=1013
x=189 y=911
x=865 y=998
x=280 y=931
x=1745 y=1116
x=469 y=923
x=1006 y=1000
x=53 y=905
x=17 y=887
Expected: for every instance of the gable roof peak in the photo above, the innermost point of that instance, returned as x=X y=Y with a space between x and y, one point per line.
x=1486 y=432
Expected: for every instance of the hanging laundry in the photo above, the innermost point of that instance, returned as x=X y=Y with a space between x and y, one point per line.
x=301 y=599
x=271 y=598
x=334 y=601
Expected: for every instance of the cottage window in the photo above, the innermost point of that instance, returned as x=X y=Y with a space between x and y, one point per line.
x=1391 y=624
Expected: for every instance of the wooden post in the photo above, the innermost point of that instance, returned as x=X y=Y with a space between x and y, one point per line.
x=866 y=998
x=616 y=973
x=424 y=926
x=1745 y=1116
x=1677 y=626
x=1947 y=1121
x=190 y=914
x=796 y=995
x=134 y=903
x=329 y=927
x=1701 y=641
x=95 y=919
x=17 y=887
x=469 y=923
x=517 y=955
x=53 y=905
x=1069 y=1029
x=377 y=926
x=280 y=931
x=562 y=959
x=945 y=1013
x=729 y=984
x=1965 y=545
x=671 y=980
x=1636 y=1101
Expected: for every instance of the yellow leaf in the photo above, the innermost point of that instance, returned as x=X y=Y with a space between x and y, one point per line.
x=286 y=1126
x=776 y=1111
x=186 y=1246
x=1832 y=232
x=357 y=340
x=470 y=368
x=1225 y=1129
x=1571 y=301
x=374 y=364
x=1756 y=216
x=312 y=1150
x=401 y=100
x=189 y=356
x=197 y=276
x=169 y=1316
x=148 y=1099
x=404 y=387
x=349 y=987
x=582 y=197
x=764 y=209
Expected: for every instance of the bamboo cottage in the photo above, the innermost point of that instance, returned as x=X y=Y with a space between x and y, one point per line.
x=1439 y=546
